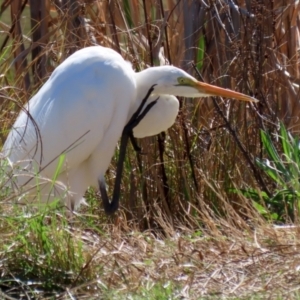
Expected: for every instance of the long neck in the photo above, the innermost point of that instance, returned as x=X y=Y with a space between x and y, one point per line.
x=144 y=80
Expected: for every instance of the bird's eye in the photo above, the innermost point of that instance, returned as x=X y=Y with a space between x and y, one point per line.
x=181 y=80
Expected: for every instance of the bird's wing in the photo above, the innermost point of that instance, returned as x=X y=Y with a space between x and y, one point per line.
x=73 y=109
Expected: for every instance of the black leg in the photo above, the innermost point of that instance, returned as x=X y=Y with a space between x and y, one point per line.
x=112 y=206
x=135 y=122
x=130 y=125
x=140 y=108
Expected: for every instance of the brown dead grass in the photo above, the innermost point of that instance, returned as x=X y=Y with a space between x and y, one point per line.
x=261 y=263
x=265 y=263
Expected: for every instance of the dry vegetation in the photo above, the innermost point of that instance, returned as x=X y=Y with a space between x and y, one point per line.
x=181 y=232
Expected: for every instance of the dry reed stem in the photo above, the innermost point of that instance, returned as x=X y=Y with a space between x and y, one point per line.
x=247 y=47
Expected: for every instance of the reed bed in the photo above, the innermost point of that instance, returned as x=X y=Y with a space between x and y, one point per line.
x=183 y=183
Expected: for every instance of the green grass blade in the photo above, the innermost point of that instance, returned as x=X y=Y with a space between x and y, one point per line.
x=61 y=160
x=284 y=141
x=128 y=14
x=200 y=52
x=273 y=154
x=270 y=171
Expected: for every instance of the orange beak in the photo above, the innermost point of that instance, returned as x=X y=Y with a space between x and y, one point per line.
x=212 y=90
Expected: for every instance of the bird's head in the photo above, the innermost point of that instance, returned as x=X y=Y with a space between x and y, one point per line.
x=174 y=81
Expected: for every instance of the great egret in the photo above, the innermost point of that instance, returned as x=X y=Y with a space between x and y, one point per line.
x=79 y=114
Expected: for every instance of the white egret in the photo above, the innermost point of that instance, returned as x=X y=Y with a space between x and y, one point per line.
x=81 y=111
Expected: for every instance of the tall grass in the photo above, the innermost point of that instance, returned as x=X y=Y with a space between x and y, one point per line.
x=186 y=176
x=211 y=149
